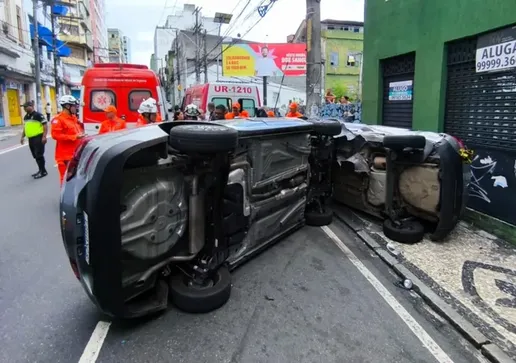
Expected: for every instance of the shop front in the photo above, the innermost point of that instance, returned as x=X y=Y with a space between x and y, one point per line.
x=12 y=98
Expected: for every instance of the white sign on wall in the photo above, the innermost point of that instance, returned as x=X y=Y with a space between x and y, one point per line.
x=496 y=51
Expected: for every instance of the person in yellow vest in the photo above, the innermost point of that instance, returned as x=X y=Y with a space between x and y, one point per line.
x=35 y=129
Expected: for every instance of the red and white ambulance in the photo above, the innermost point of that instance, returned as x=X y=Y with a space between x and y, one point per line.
x=246 y=94
x=124 y=86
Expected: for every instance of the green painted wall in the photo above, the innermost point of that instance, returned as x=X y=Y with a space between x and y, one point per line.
x=343 y=42
x=397 y=27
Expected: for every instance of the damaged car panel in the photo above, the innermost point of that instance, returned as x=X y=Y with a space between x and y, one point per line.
x=429 y=181
x=163 y=212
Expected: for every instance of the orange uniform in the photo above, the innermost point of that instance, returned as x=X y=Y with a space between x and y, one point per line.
x=112 y=125
x=271 y=113
x=66 y=130
x=143 y=122
x=231 y=115
x=294 y=114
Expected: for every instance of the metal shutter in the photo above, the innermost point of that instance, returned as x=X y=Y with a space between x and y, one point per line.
x=400 y=68
x=480 y=108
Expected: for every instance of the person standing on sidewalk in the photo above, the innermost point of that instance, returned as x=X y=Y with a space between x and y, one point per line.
x=48 y=111
x=35 y=128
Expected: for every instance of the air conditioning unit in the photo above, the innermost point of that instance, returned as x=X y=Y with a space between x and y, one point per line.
x=5 y=27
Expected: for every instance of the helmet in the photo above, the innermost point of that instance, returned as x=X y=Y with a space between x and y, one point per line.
x=148 y=106
x=192 y=110
x=68 y=100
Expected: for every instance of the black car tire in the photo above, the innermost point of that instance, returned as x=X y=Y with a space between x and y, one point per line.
x=318 y=219
x=409 y=232
x=203 y=138
x=201 y=300
x=327 y=127
x=400 y=142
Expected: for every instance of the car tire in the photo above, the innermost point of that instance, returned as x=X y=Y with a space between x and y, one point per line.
x=201 y=300
x=317 y=219
x=400 y=142
x=203 y=138
x=327 y=127
x=409 y=232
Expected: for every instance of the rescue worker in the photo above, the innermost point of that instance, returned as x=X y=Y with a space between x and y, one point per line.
x=67 y=131
x=112 y=122
x=35 y=128
x=293 y=111
x=192 y=113
x=148 y=111
x=236 y=112
x=270 y=113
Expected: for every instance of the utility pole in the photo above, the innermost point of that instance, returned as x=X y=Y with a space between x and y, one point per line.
x=178 y=70
x=54 y=45
x=37 y=58
x=205 y=56
x=313 y=56
x=197 y=46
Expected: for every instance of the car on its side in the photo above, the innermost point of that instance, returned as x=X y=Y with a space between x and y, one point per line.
x=406 y=177
x=165 y=211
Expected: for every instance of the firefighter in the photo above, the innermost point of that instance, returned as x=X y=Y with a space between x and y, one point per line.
x=67 y=132
x=148 y=111
x=112 y=122
x=293 y=111
x=236 y=112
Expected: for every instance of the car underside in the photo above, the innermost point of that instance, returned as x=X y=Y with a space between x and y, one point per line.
x=166 y=213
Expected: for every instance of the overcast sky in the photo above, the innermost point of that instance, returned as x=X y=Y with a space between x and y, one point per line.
x=138 y=19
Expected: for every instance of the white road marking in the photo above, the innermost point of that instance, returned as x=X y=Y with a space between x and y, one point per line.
x=12 y=148
x=408 y=319
x=92 y=349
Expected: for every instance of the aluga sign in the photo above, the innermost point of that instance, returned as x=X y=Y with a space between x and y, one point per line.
x=496 y=51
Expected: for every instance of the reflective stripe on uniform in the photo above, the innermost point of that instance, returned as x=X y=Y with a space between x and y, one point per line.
x=33 y=128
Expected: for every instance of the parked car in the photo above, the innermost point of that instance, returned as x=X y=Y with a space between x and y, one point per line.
x=404 y=176
x=165 y=211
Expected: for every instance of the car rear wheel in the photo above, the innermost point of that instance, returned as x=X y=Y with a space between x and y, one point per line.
x=408 y=231
x=197 y=299
x=204 y=138
x=327 y=127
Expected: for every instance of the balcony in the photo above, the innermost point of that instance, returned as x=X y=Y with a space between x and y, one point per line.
x=83 y=40
x=72 y=61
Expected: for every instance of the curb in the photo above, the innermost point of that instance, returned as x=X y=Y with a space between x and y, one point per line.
x=489 y=350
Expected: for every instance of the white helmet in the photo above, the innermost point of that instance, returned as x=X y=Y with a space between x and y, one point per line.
x=192 y=110
x=148 y=106
x=68 y=100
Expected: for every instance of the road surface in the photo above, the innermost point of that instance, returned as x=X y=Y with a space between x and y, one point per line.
x=317 y=296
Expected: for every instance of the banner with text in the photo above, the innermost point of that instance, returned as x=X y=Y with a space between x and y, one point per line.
x=496 y=51
x=261 y=60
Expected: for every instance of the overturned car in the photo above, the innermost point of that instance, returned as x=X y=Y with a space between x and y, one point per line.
x=406 y=177
x=164 y=212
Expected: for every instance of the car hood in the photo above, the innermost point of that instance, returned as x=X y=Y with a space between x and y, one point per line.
x=376 y=133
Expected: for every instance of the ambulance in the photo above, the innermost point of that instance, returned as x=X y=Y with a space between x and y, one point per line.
x=124 y=86
x=246 y=94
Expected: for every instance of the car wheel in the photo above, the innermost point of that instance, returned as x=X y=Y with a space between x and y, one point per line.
x=203 y=138
x=201 y=299
x=318 y=219
x=408 y=232
x=327 y=128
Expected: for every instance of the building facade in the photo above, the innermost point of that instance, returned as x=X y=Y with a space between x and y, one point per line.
x=99 y=31
x=117 y=53
x=447 y=66
x=126 y=48
x=342 y=53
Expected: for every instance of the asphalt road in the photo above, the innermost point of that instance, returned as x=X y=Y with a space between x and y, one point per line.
x=303 y=300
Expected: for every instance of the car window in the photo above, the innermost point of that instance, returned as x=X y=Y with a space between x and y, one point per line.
x=226 y=102
x=100 y=99
x=248 y=105
x=136 y=97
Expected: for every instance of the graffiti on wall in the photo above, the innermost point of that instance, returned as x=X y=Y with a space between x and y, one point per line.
x=350 y=112
x=493 y=184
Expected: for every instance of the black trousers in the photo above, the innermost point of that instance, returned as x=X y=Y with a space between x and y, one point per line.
x=48 y=117
x=37 y=148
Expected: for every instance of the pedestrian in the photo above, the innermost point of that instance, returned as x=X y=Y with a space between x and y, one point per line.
x=112 y=122
x=148 y=111
x=48 y=111
x=192 y=113
x=210 y=115
x=219 y=113
x=67 y=132
x=261 y=113
x=35 y=128
x=293 y=112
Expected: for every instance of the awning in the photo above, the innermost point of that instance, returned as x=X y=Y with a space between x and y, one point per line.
x=59 y=10
x=45 y=38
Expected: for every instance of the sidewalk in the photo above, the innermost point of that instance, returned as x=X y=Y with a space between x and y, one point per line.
x=8 y=132
x=473 y=272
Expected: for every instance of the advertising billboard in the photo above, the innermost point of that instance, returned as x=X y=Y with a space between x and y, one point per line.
x=263 y=60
